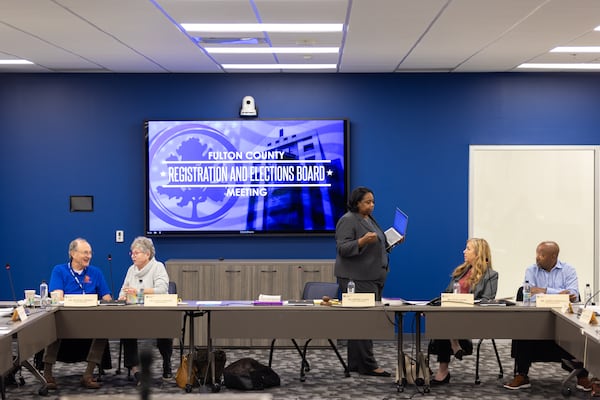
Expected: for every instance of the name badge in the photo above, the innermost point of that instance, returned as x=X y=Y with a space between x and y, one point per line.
x=358 y=299
x=588 y=315
x=552 y=300
x=160 y=300
x=81 y=300
x=20 y=314
x=457 y=299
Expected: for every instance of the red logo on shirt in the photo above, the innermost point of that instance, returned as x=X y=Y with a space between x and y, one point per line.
x=86 y=279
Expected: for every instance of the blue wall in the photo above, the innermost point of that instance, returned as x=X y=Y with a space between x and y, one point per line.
x=82 y=134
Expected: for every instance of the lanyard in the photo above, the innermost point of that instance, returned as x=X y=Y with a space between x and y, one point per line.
x=76 y=278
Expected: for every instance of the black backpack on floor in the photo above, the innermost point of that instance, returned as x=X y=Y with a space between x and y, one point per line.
x=249 y=374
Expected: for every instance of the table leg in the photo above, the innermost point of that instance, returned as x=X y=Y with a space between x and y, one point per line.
x=422 y=361
x=400 y=367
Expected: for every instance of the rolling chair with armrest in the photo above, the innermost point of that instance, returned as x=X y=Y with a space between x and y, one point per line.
x=574 y=367
x=312 y=291
x=477 y=357
x=501 y=370
x=437 y=302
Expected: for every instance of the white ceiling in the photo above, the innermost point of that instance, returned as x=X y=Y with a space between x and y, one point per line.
x=126 y=36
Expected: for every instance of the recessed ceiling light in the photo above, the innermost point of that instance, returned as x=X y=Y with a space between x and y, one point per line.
x=563 y=66
x=15 y=62
x=576 y=49
x=279 y=66
x=272 y=50
x=263 y=27
x=230 y=40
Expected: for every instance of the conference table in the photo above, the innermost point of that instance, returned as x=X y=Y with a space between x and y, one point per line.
x=6 y=361
x=384 y=321
x=381 y=322
x=31 y=335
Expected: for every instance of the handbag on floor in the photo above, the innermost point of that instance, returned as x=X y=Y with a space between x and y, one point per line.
x=181 y=377
x=202 y=373
x=410 y=371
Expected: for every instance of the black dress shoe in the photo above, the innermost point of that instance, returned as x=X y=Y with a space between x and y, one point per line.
x=137 y=377
x=375 y=373
x=442 y=382
x=459 y=354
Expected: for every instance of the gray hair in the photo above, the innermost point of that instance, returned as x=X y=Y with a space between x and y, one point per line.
x=74 y=243
x=144 y=245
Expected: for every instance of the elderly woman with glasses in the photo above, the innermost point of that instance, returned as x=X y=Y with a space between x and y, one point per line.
x=150 y=275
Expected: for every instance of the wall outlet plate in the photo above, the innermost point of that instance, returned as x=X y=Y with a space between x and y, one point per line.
x=119 y=236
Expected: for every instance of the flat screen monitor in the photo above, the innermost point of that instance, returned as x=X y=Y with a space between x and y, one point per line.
x=246 y=177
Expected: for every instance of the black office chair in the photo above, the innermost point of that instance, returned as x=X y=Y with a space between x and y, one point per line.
x=312 y=291
x=500 y=372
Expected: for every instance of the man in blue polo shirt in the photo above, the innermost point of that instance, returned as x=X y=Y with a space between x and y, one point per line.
x=78 y=277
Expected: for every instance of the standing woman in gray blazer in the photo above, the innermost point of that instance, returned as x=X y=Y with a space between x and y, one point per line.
x=362 y=257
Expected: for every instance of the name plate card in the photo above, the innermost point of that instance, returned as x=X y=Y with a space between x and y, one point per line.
x=457 y=299
x=568 y=309
x=358 y=299
x=552 y=300
x=19 y=314
x=81 y=300
x=160 y=300
x=588 y=315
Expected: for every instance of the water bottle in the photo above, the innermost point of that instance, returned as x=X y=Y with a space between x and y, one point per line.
x=526 y=293
x=351 y=286
x=43 y=294
x=456 y=287
x=587 y=294
x=140 y=296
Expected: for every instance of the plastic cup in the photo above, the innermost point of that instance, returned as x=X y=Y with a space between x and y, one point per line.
x=131 y=298
x=29 y=297
x=54 y=297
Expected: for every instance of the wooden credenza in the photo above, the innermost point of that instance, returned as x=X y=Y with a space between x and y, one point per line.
x=245 y=280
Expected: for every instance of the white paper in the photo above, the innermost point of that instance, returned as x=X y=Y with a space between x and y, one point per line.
x=269 y=298
x=6 y=311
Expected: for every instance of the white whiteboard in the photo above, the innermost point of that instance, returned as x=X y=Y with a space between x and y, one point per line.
x=520 y=196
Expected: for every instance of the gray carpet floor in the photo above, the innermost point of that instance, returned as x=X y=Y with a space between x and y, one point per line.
x=325 y=380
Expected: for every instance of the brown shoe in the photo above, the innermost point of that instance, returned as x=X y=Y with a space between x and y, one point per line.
x=89 y=382
x=584 y=384
x=50 y=383
x=518 y=382
x=595 y=388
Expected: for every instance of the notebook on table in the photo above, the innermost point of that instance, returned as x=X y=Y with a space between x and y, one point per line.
x=398 y=230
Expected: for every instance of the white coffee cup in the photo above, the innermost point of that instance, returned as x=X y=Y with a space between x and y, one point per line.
x=55 y=297
x=29 y=297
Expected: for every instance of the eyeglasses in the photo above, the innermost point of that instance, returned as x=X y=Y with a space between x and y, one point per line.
x=136 y=253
